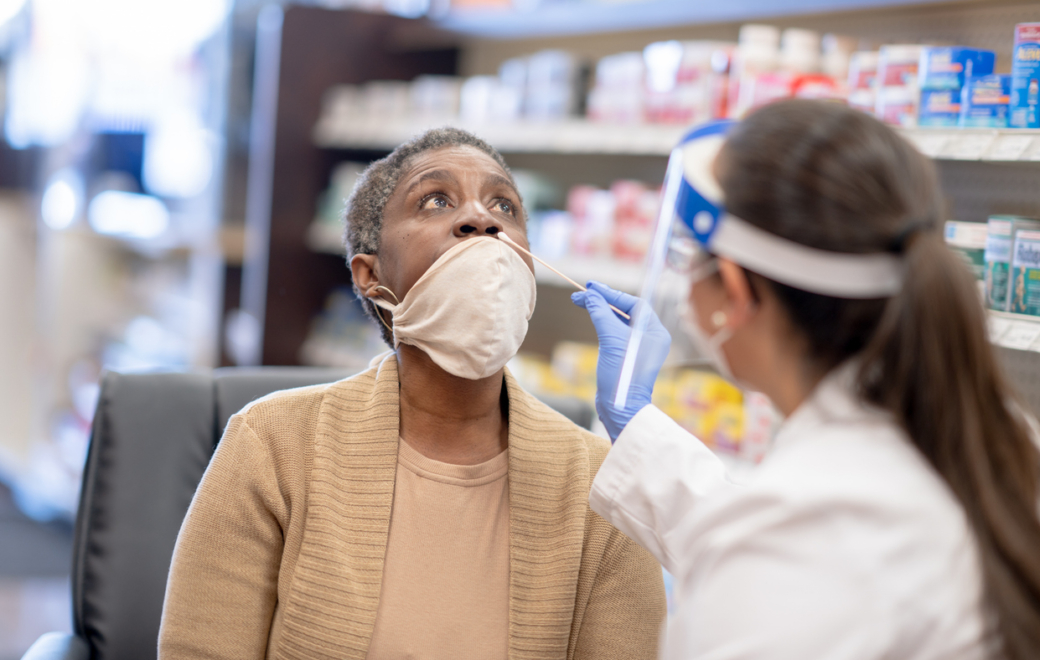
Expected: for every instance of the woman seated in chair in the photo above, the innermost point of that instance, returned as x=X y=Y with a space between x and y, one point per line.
x=428 y=507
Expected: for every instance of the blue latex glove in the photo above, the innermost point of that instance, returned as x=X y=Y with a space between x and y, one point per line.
x=613 y=334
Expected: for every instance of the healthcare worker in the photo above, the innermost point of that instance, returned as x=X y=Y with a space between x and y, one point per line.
x=897 y=514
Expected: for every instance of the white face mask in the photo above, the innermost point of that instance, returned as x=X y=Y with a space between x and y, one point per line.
x=708 y=346
x=469 y=310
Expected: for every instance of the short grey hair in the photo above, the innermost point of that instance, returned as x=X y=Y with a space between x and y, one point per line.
x=363 y=216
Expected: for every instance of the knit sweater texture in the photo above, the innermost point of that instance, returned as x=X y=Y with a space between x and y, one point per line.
x=281 y=552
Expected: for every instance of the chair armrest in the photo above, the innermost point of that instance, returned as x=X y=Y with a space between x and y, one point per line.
x=58 y=646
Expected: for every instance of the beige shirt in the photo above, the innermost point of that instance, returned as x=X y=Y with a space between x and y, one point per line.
x=445 y=588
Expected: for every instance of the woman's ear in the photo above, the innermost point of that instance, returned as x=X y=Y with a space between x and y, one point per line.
x=741 y=303
x=363 y=269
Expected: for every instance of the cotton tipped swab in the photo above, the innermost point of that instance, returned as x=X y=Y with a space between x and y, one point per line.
x=516 y=245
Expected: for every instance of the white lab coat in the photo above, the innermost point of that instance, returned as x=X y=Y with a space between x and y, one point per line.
x=844 y=543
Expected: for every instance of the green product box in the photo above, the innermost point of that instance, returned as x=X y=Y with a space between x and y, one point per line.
x=997 y=259
x=968 y=239
x=1024 y=296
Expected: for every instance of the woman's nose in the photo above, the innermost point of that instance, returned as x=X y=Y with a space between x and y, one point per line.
x=476 y=221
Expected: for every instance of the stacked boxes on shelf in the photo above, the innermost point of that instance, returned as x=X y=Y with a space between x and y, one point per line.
x=611 y=224
x=1010 y=268
x=898 y=93
x=944 y=70
x=984 y=102
x=689 y=82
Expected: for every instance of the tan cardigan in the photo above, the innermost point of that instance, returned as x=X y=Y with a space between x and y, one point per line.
x=282 y=550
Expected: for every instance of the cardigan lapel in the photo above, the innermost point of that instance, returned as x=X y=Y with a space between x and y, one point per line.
x=348 y=518
x=548 y=500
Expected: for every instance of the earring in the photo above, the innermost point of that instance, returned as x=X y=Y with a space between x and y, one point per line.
x=718 y=319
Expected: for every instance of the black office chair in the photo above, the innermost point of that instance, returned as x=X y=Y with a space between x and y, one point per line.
x=152 y=439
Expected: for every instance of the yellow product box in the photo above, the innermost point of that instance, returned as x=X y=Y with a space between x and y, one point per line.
x=696 y=399
x=575 y=364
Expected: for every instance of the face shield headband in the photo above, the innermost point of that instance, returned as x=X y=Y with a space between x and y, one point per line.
x=693 y=226
x=699 y=206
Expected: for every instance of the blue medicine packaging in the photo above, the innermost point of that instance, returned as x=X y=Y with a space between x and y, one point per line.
x=984 y=102
x=939 y=108
x=1025 y=77
x=949 y=67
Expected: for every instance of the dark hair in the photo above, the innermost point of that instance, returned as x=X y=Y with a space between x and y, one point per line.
x=833 y=178
x=363 y=215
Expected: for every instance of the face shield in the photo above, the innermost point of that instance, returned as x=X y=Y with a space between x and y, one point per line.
x=693 y=228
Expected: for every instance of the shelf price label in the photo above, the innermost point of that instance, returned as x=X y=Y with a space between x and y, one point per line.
x=1020 y=335
x=968 y=147
x=998 y=327
x=929 y=143
x=1010 y=147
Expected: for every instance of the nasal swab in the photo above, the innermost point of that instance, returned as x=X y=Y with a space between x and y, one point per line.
x=510 y=241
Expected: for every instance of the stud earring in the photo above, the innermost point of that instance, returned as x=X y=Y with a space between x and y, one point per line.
x=718 y=319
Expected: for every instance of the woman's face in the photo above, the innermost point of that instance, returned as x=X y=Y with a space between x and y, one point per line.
x=443 y=197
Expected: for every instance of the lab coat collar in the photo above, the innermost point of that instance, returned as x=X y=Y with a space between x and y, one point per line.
x=835 y=400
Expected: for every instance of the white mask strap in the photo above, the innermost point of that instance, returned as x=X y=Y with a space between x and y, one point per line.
x=379 y=302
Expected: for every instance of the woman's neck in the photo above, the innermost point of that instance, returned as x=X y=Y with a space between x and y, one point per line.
x=447 y=418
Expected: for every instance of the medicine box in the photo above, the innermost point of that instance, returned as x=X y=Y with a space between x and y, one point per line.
x=949 y=67
x=897 y=106
x=1025 y=77
x=939 y=107
x=899 y=65
x=997 y=258
x=968 y=239
x=984 y=102
x=1025 y=273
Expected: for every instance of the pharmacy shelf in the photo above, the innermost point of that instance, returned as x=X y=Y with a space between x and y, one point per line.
x=1015 y=331
x=585 y=137
x=568 y=18
x=975 y=144
x=564 y=137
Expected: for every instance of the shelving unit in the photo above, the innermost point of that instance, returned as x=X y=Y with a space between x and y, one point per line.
x=565 y=137
x=983 y=171
x=1015 y=331
x=584 y=137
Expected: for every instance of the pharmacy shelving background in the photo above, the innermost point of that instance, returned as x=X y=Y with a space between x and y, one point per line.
x=596 y=146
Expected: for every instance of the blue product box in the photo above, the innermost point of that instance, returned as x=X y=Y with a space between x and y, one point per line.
x=984 y=102
x=939 y=108
x=1025 y=77
x=948 y=67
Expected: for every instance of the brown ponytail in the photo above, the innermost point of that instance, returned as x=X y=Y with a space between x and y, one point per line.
x=931 y=364
x=833 y=178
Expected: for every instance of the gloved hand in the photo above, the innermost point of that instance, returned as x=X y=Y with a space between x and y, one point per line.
x=613 y=334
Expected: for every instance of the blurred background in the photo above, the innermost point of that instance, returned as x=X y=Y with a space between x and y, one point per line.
x=173 y=174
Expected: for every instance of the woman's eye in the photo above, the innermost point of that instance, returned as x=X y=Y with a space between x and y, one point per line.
x=505 y=206
x=434 y=202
